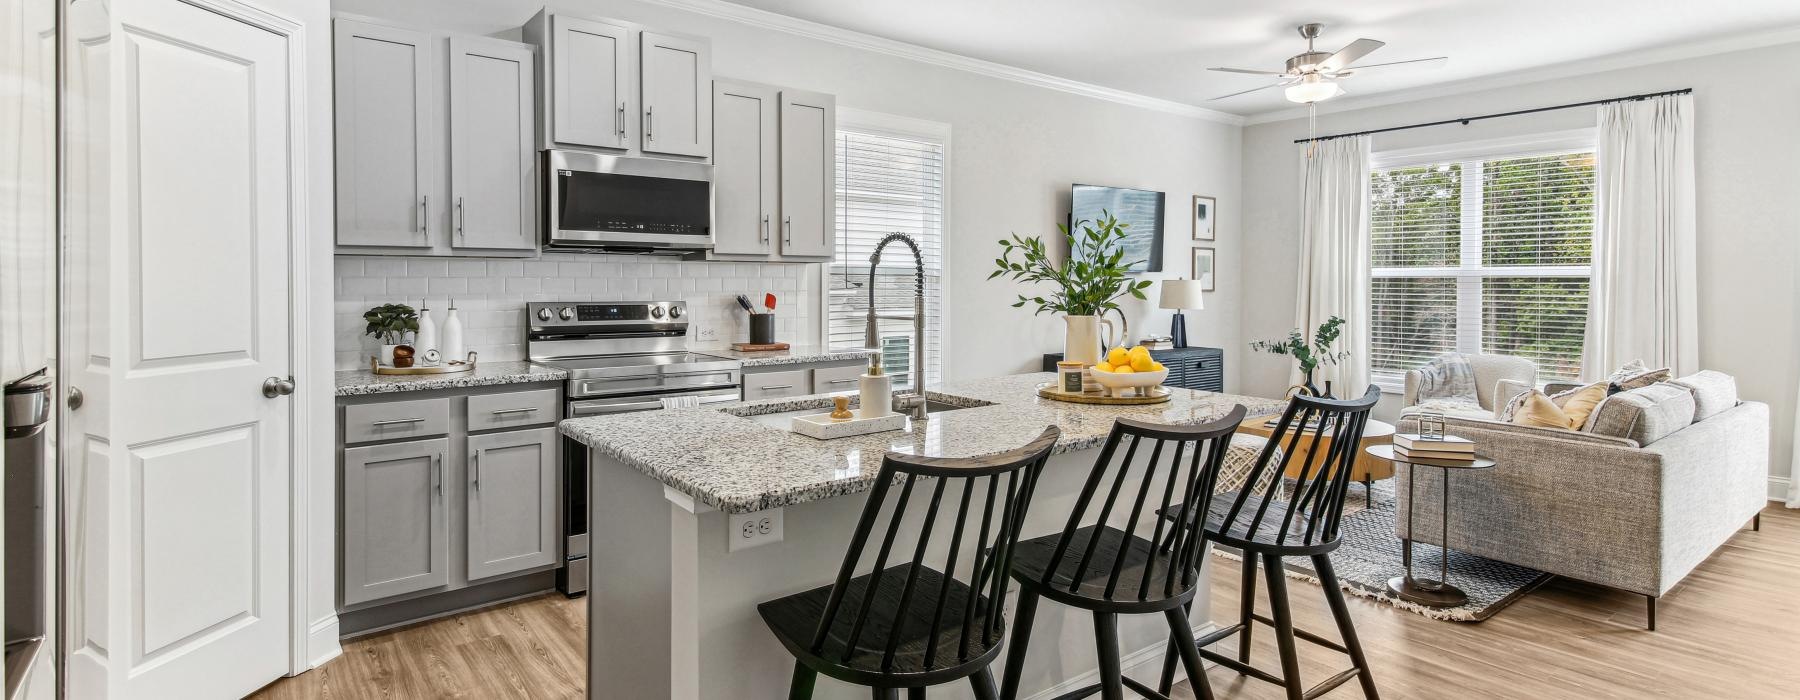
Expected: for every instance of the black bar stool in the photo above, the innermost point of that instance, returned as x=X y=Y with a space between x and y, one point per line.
x=1278 y=523
x=1110 y=572
x=911 y=626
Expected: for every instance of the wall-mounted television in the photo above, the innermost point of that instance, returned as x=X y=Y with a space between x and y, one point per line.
x=1141 y=210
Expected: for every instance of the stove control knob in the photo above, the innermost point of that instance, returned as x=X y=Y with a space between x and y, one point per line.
x=567 y=313
x=656 y=312
x=674 y=312
x=543 y=313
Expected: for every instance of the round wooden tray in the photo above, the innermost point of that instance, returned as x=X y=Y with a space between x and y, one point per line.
x=1156 y=394
x=451 y=367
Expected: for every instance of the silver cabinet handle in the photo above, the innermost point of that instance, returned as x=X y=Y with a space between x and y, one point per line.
x=765 y=228
x=437 y=481
x=619 y=121
x=773 y=387
x=504 y=411
x=477 y=470
x=787 y=229
x=425 y=214
x=277 y=386
x=459 y=218
x=397 y=421
x=649 y=123
x=839 y=381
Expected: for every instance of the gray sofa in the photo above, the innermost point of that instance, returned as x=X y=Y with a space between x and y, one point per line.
x=1636 y=510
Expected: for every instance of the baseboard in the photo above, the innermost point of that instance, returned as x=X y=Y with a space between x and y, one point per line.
x=322 y=641
x=1131 y=664
x=1778 y=488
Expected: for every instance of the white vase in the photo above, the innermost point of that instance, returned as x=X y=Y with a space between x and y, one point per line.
x=1082 y=343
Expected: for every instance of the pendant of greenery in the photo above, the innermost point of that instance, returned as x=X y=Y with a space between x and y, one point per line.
x=1309 y=356
x=1089 y=282
x=389 y=322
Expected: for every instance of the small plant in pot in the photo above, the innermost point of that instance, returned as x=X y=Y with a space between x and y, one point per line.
x=389 y=324
x=1309 y=356
x=1087 y=284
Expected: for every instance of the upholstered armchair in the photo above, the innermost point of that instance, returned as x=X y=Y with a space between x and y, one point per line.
x=1489 y=370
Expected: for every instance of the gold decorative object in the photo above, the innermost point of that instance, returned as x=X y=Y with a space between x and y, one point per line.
x=842 y=410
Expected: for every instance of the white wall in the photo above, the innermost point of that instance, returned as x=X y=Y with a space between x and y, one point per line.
x=1015 y=151
x=1746 y=144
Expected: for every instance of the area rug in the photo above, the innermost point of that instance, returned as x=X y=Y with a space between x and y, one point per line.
x=1371 y=554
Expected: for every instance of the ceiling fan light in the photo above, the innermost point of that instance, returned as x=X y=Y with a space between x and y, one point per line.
x=1313 y=88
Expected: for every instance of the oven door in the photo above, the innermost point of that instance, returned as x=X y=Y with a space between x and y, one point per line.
x=621 y=203
x=631 y=404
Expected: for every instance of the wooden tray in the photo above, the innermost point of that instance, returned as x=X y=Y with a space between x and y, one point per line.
x=758 y=347
x=1157 y=394
x=451 y=367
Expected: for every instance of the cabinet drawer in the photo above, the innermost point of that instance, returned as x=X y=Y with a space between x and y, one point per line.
x=827 y=380
x=774 y=385
x=512 y=409
x=394 y=420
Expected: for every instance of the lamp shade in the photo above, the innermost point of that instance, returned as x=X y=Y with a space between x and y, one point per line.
x=1182 y=294
x=1313 y=88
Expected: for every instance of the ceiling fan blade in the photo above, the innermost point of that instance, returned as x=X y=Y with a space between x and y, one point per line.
x=1348 y=55
x=1248 y=71
x=1420 y=62
x=1243 y=92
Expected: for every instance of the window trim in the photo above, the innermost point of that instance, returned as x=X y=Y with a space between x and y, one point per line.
x=884 y=124
x=1469 y=271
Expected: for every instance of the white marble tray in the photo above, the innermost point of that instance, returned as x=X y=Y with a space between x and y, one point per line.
x=822 y=427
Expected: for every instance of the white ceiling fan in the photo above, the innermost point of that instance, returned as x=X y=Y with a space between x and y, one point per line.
x=1313 y=76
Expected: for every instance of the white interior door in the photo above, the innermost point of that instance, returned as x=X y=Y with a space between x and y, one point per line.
x=195 y=461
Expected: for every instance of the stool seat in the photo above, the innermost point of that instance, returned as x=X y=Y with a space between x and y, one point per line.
x=1145 y=570
x=1261 y=535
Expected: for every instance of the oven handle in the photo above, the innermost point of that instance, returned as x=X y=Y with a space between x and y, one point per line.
x=579 y=409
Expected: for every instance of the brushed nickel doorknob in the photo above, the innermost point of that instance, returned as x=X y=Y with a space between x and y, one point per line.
x=277 y=386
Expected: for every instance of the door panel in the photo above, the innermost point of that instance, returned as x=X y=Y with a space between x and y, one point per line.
x=808 y=202
x=492 y=174
x=746 y=173
x=512 y=501
x=387 y=138
x=395 y=538
x=677 y=86
x=199 y=497
x=589 y=69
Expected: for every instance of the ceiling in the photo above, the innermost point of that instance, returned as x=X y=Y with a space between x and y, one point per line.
x=1162 y=48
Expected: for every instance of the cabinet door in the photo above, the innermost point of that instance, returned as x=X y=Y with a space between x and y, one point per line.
x=492 y=178
x=589 y=69
x=387 y=137
x=676 y=76
x=395 y=540
x=512 y=501
x=746 y=176
x=775 y=385
x=808 y=203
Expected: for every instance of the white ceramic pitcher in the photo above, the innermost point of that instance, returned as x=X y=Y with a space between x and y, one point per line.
x=1083 y=342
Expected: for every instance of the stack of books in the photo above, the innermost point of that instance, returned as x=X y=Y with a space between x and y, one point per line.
x=1450 y=450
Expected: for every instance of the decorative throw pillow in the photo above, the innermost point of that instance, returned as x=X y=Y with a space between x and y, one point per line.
x=1537 y=410
x=1568 y=410
x=1579 y=403
x=1635 y=375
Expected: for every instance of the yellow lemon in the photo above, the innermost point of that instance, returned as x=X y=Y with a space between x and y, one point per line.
x=1123 y=369
x=1103 y=367
x=1142 y=363
x=1139 y=350
x=1156 y=366
x=1116 y=356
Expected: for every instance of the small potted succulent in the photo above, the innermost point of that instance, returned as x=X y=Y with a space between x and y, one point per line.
x=389 y=324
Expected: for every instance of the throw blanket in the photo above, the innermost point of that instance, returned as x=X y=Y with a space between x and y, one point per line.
x=1447 y=382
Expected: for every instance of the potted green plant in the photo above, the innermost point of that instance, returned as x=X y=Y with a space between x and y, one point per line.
x=1087 y=284
x=1310 y=356
x=389 y=324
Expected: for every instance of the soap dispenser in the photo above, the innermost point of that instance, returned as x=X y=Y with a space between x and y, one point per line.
x=426 y=338
x=877 y=391
x=450 y=337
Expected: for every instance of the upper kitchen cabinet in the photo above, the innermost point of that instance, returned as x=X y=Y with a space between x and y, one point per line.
x=773 y=175
x=808 y=202
x=493 y=187
x=612 y=85
x=387 y=139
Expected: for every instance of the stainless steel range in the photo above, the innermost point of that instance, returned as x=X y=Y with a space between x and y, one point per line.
x=621 y=357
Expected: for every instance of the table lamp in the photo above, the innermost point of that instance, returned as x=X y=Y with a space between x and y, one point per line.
x=1178 y=295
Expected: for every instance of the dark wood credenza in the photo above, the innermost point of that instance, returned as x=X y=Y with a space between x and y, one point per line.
x=1189 y=368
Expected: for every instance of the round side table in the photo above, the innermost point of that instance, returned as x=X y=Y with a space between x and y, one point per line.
x=1423 y=591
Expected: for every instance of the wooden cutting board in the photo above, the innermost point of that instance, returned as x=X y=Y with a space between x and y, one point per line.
x=758 y=347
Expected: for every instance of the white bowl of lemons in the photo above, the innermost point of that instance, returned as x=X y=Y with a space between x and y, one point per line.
x=1129 y=371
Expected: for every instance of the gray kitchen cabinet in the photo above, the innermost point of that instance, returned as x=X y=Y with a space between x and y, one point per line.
x=808 y=209
x=675 y=76
x=512 y=501
x=746 y=169
x=394 y=537
x=388 y=141
x=777 y=384
x=493 y=183
x=588 y=69
x=799 y=379
x=831 y=379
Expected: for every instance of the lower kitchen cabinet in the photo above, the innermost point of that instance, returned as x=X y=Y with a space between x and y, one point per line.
x=395 y=539
x=512 y=501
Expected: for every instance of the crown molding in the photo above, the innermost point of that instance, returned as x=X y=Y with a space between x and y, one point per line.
x=1602 y=64
x=944 y=59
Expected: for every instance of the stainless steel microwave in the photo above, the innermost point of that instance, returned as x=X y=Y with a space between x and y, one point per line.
x=636 y=205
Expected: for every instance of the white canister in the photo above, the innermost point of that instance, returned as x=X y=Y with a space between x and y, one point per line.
x=450 y=337
x=427 y=337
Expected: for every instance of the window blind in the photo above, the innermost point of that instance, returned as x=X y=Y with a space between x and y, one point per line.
x=1481 y=255
x=887 y=184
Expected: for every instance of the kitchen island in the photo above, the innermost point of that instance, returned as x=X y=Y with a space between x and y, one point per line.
x=699 y=514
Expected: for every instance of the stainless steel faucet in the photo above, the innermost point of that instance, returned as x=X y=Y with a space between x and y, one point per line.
x=913 y=403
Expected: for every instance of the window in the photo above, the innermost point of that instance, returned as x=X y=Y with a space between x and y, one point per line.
x=887 y=181
x=1481 y=252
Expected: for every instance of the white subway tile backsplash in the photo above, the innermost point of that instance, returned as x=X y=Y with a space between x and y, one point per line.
x=428 y=268
x=384 y=267
x=468 y=268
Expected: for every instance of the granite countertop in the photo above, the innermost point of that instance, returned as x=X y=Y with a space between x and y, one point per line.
x=360 y=382
x=734 y=463
x=794 y=355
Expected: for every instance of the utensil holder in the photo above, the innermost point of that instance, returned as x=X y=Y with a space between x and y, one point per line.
x=762 y=328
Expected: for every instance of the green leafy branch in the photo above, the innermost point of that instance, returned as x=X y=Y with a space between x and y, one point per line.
x=1089 y=282
x=1309 y=356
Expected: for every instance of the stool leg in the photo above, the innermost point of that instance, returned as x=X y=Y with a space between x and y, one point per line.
x=1181 y=636
x=1247 y=607
x=915 y=694
x=801 y=688
x=1170 y=656
x=1106 y=632
x=983 y=681
x=1021 y=636
x=884 y=694
x=1284 y=626
x=1340 y=611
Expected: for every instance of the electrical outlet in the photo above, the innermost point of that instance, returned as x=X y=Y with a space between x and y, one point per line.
x=748 y=530
x=707 y=334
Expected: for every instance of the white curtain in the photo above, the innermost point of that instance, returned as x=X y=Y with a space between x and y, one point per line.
x=1641 y=304
x=1334 y=255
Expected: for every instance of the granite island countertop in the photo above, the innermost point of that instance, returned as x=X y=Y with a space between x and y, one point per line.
x=794 y=355
x=361 y=382
x=723 y=459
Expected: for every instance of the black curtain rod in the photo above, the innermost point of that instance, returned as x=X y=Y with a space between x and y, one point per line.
x=1466 y=120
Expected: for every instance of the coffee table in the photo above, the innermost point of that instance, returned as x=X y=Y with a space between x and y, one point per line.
x=1439 y=593
x=1367 y=468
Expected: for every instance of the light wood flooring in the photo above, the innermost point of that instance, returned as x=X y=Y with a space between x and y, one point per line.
x=1730 y=630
